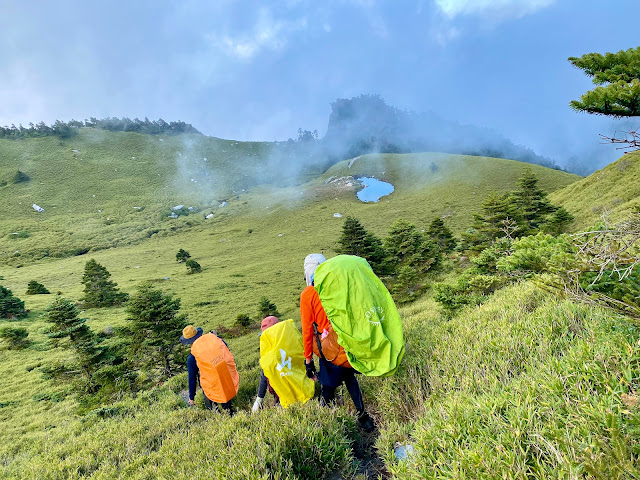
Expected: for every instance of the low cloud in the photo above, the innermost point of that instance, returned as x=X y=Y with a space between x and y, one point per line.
x=498 y=9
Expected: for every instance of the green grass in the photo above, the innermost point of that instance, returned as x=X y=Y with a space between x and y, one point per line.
x=525 y=386
x=613 y=192
x=285 y=226
x=90 y=184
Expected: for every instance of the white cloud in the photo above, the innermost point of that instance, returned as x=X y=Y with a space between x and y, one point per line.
x=445 y=35
x=268 y=34
x=502 y=9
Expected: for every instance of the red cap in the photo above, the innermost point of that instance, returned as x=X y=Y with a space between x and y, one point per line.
x=268 y=322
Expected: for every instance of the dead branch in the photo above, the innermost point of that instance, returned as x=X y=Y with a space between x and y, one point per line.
x=629 y=139
x=611 y=249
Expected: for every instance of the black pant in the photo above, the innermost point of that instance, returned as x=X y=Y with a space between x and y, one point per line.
x=350 y=381
x=214 y=406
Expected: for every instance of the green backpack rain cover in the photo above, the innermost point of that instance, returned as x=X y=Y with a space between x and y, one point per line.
x=362 y=313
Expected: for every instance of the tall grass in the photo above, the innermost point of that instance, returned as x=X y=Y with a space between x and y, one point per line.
x=525 y=386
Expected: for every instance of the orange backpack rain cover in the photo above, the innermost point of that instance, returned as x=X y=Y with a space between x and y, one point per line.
x=218 y=374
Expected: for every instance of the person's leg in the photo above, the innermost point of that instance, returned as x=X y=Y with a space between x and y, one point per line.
x=228 y=407
x=209 y=404
x=351 y=382
x=328 y=394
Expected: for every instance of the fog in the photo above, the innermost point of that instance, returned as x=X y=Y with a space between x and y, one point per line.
x=488 y=76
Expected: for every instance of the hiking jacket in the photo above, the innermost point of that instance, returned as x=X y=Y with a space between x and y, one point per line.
x=311 y=310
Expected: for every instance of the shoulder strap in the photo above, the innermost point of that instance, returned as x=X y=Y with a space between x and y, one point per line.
x=318 y=342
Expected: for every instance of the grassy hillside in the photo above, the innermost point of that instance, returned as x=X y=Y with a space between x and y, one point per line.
x=270 y=229
x=101 y=189
x=526 y=386
x=613 y=191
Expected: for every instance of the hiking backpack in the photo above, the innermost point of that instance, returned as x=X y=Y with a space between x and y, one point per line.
x=362 y=313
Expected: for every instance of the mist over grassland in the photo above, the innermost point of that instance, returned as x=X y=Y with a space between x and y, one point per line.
x=526 y=384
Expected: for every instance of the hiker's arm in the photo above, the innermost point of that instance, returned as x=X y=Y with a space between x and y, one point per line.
x=262 y=389
x=306 y=319
x=192 y=370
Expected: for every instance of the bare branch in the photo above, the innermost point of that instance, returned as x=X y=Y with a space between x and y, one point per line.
x=612 y=249
x=629 y=139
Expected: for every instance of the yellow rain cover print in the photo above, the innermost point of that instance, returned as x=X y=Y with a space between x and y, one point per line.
x=282 y=360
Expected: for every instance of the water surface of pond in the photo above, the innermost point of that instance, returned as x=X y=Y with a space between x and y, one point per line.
x=374 y=189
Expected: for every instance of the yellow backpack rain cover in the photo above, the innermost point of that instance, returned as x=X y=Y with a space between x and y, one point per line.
x=282 y=360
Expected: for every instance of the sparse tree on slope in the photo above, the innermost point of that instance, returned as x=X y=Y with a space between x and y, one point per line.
x=182 y=256
x=356 y=241
x=99 y=291
x=266 y=308
x=193 y=267
x=532 y=202
x=14 y=337
x=36 y=288
x=10 y=306
x=497 y=212
x=411 y=254
x=441 y=235
x=559 y=222
x=155 y=326
x=408 y=246
x=68 y=329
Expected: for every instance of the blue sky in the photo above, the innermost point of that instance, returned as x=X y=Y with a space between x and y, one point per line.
x=258 y=70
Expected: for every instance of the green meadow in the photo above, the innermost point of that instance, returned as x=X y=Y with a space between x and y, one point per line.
x=611 y=193
x=528 y=385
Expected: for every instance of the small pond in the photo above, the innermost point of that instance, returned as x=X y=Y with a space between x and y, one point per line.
x=374 y=189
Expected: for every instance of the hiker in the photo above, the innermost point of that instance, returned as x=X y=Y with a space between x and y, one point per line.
x=212 y=363
x=332 y=373
x=264 y=381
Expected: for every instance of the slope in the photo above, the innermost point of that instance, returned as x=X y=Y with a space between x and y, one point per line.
x=255 y=245
x=526 y=386
x=611 y=192
x=100 y=189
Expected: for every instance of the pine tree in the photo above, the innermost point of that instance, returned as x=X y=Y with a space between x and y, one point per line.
x=355 y=240
x=10 y=306
x=71 y=331
x=411 y=254
x=99 y=291
x=489 y=224
x=267 y=308
x=441 y=235
x=193 y=267
x=618 y=78
x=243 y=320
x=352 y=240
x=36 y=288
x=532 y=202
x=182 y=256
x=155 y=325
x=407 y=246
x=15 y=337
x=558 y=222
